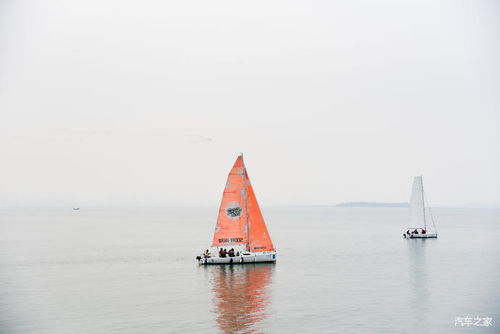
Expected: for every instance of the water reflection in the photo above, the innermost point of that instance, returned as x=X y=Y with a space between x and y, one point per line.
x=241 y=296
x=419 y=288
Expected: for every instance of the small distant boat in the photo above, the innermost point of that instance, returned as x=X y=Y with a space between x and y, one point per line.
x=240 y=226
x=420 y=216
x=76 y=209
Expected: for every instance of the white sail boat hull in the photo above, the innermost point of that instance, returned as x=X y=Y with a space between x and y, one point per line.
x=242 y=259
x=423 y=236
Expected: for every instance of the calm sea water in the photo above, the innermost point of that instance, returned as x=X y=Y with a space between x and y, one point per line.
x=339 y=270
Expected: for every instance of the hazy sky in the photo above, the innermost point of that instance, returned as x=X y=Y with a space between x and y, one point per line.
x=149 y=102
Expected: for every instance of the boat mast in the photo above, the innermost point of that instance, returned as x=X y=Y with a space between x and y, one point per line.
x=246 y=199
x=423 y=201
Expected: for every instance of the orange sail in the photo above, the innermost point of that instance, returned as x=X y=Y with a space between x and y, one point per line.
x=240 y=220
x=259 y=238
x=232 y=223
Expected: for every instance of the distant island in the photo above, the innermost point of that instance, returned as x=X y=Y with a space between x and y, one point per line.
x=373 y=204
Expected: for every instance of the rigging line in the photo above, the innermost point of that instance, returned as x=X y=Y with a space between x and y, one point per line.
x=430 y=212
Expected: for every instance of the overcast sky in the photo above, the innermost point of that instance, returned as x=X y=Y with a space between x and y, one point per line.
x=149 y=102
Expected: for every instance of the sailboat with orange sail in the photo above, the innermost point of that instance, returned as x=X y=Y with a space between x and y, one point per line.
x=241 y=234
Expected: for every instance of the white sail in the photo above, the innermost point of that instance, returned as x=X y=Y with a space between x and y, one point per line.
x=417 y=206
x=420 y=215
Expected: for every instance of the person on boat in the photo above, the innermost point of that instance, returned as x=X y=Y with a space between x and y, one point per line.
x=231 y=252
x=415 y=231
x=220 y=252
x=224 y=253
x=206 y=254
x=424 y=231
x=408 y=232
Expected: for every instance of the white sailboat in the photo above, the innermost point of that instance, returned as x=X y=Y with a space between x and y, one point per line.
x=241 y=234
x=422 y=222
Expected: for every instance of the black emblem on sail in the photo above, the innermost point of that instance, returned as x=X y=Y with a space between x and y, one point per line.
x=233 y=210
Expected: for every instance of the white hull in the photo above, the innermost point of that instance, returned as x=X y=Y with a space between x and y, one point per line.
x=242 y=259
x=423 y=236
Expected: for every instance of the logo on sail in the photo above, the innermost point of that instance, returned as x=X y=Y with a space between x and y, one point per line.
x=228 y=240
x=233 y=210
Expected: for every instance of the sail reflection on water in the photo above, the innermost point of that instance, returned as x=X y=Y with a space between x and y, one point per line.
x=419 y=281
x=241 y=296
